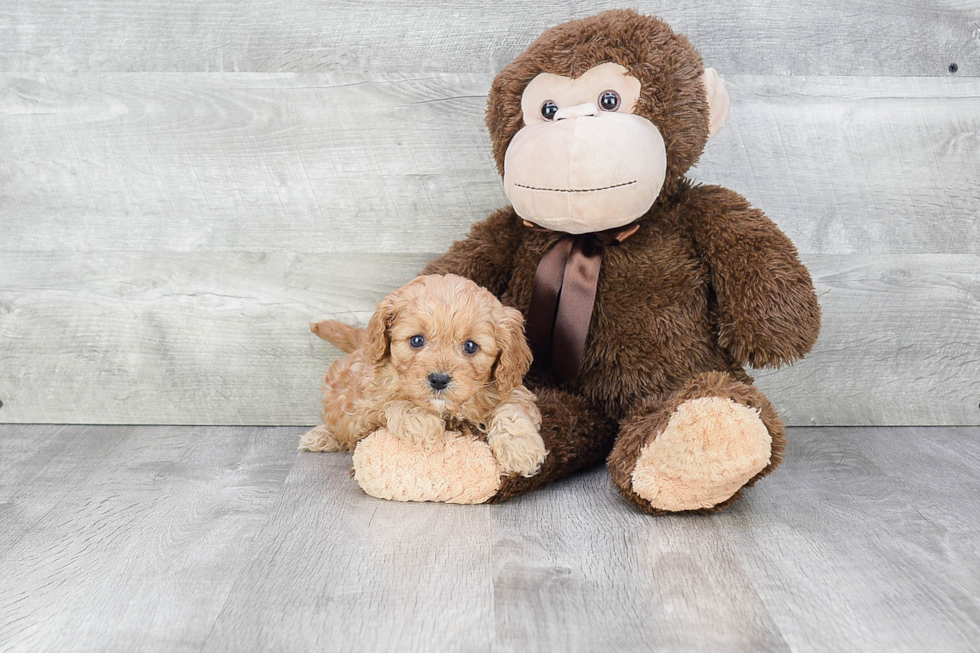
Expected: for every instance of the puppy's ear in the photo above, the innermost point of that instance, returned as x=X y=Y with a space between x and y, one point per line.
x=377 y=339
x=514 y=359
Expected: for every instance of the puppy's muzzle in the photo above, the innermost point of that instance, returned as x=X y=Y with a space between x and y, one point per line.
x=439 y=380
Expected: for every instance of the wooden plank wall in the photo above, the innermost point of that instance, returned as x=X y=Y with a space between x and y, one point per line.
x=184 y=185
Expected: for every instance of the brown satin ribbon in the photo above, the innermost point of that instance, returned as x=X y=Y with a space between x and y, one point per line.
x=563 y=296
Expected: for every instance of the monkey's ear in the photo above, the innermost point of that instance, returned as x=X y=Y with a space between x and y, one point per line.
x=717 y=100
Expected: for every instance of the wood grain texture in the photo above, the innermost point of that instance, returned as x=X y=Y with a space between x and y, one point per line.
x=335 y=569
x=41 y=469
x=401 y=163
x=900 y=344
x=838 y=37
x=913 y=467
x=630 y=583
x=856 y=165
x=832 y=515
x=190 y=539
x=131 y=337
x=141 y=553
x=137 y=337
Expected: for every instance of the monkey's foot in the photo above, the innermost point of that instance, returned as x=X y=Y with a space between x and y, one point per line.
x=710 y=448
x=454 y=469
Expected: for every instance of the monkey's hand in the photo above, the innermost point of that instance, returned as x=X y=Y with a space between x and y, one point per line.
x=768 y=313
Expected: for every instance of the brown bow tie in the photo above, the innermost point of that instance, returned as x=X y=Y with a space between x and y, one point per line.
x=563 y=296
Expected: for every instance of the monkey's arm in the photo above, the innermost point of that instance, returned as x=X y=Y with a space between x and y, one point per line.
x=486 y=255
x=767 y=309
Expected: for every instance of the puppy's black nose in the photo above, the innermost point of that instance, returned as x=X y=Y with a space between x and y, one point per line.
x=439 y=380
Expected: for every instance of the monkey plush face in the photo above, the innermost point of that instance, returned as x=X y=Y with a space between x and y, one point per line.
x=598 y=117
x=583 y=160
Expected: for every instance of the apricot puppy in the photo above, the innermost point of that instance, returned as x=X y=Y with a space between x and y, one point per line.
x=440 y=353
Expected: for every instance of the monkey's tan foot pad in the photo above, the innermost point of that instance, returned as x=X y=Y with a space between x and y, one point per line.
x=710 y=448
x=455 y=469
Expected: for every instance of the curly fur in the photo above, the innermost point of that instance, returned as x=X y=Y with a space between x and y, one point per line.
x=383 y=381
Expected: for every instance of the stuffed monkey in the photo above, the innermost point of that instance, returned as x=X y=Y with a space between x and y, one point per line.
x=645 y=294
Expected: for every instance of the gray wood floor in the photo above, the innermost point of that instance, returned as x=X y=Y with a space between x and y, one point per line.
x=225 y=538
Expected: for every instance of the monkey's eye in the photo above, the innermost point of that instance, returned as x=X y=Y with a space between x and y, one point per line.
x=609 y=100
x=416 y=341
x=548 y=110
x=470 y=347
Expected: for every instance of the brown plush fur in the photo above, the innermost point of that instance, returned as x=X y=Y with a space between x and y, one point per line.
x=706 y=285
x=384 y=380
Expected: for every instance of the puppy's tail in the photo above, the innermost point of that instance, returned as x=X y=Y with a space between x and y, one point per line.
x=343 y=336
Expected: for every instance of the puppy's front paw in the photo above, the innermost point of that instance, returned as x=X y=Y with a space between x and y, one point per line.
x=517 y=447
x=413 y=425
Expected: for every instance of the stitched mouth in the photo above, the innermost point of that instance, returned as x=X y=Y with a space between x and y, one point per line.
x=576 y=190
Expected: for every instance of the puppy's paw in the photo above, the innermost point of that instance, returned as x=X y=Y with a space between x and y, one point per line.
x=517 y=447
x=414 y=425
x=320 y=438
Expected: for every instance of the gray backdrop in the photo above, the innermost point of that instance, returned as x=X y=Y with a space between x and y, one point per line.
x=185 y=185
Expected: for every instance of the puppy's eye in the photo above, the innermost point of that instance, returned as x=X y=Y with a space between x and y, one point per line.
x=548 y=110
x=416 y=341
x=609 y=100
x=470 y=347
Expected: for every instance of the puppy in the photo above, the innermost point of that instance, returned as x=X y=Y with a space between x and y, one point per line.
x=440 y=353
